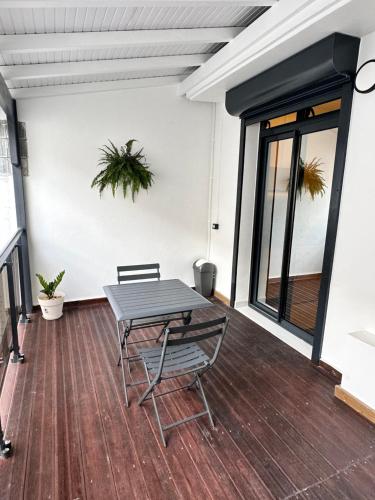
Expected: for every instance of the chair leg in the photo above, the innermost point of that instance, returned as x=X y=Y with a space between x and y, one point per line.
x=150 y=390
x=200 y=387
x=186 y=321
x=192 y=383
x=122 y=365
x=162 y=331
x=187 y=318
x=126 y=349
x=158 y=420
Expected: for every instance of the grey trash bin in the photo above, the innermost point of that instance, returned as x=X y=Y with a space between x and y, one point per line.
x=204 y=273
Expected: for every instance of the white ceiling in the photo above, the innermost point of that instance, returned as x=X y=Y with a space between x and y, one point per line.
x=67 y=20
x=43 y=46
x=285 y=29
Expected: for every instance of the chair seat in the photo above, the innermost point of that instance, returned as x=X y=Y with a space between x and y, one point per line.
x=177 y=358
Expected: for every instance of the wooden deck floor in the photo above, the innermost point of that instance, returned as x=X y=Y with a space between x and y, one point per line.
x=280 y=432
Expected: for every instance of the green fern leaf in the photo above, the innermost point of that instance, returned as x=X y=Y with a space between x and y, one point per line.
x=122 y=169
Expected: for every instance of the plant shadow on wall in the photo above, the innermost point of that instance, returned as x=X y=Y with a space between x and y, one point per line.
x=123 y=169
x=310 y=178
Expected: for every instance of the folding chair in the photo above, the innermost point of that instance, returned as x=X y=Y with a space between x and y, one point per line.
x=151 y=272
x=178 y=357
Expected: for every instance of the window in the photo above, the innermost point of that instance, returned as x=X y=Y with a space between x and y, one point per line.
x=8 y=221
x=281 y=120
x=326 y=107
x=310 y=112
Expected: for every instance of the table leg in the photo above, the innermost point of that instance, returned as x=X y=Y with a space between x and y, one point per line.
x=127 y=331
x=122 y=363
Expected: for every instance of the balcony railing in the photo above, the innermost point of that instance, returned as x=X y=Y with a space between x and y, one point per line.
x=12 y=311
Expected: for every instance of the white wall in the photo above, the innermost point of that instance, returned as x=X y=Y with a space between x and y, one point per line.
x=223 y=200
x=71 y=228
x=352 y=297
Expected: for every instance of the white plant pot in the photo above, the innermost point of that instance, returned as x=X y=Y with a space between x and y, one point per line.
x=52 y=308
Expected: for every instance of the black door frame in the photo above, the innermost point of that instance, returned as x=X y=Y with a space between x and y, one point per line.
x=321 y=94
x=261 y=179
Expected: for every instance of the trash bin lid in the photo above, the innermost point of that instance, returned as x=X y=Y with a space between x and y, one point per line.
x=200 y=262
x=204 y=265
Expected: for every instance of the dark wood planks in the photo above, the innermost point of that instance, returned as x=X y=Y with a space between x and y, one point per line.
x=280 y=432
x=302 y=300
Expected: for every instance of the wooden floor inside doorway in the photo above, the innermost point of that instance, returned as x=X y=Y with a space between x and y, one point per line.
x=301 y=302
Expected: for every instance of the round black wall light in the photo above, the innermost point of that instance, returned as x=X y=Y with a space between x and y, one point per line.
x=356 y=86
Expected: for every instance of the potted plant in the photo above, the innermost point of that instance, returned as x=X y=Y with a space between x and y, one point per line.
x=310 y=178
x=123 y=169
x=50 y=301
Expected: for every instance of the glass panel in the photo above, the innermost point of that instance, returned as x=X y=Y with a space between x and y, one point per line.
x=5 y=326
x=326 y=107
x=319 y=109
x=281 y=120
x=274 y=216
x=8 y=223
x=315 y=174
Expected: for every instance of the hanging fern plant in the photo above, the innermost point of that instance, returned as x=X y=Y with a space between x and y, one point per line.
x=310 y=178
x=123 y=169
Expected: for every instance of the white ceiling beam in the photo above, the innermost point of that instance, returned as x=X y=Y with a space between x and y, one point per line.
x=30 y=71
x=16 y=44
x=81 y=88
x=279 y=33
x=34 y=4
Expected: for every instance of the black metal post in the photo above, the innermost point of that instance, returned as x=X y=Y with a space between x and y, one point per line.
x=17 y=356
x=24 y=318
x=26 y=273
x=5 y=445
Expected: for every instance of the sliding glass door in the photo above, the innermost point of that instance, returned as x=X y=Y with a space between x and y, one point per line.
x=278 y=166
x=310 y=218
x=296 y=168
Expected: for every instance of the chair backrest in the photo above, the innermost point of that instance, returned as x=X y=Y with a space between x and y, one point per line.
x=131 y=273
x=213 y=328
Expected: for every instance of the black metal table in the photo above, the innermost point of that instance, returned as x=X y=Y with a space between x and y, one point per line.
x=144 y=300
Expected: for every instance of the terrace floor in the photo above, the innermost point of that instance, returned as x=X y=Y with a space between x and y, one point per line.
x=280 y=431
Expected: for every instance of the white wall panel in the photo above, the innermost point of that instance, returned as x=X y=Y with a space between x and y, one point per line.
x=72 y=228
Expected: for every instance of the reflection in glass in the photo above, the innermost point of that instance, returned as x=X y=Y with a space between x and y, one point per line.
x=274 y=216
x=8 y=224
x=316 y=165
x=281 y=120
x=326 y=107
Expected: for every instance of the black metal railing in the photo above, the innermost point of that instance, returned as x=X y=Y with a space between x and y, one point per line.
x=12 y=311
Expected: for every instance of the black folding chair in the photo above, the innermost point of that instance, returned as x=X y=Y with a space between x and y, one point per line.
x=178 y=357
x=150 y=272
